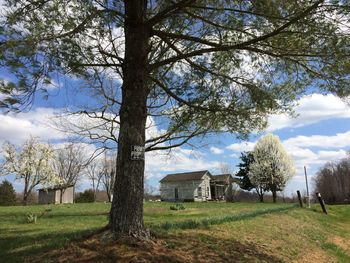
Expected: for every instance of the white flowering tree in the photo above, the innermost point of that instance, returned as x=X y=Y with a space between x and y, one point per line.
x=32 y=164
x=272 y=166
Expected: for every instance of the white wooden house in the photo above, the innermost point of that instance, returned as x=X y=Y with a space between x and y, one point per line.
x=195 y=186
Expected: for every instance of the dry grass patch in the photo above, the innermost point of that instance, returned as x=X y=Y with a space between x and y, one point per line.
x=198 y=247
x=343 y=243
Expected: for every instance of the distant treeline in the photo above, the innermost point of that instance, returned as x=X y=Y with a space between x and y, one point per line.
x=333 y=182
x=250 y=196
x=101 y=196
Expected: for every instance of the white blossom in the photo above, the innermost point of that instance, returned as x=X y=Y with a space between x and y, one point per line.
x=32 y=164
x=272 y=166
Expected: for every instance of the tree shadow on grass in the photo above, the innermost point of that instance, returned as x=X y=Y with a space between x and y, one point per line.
x=17 y=245
x=184 y=247
x=21 y=244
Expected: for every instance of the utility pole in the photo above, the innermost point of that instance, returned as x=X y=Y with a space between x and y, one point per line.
x=307 y=188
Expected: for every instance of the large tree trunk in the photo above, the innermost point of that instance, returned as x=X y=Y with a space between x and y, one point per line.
x=126 y=216
x=25 y=193
x=25 y=199
x=261 y=198
x=274 y=195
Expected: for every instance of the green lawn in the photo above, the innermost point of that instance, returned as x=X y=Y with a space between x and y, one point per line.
x=273 y=232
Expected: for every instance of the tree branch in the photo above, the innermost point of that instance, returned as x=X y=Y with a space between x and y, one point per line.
x=239 y=45
x=182 y=101
x=168 y=12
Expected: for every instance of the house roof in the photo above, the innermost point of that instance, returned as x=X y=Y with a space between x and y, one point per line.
x=56 y=187
x=184 y=176
x=224 y=178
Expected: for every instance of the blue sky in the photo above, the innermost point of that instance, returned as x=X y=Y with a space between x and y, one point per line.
x=319 y=133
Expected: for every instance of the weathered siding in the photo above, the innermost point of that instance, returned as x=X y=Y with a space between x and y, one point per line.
x=58 y=195
x=205 y=190
x=47 y=197
x=52 y=196
x=187 y=190
x=68 y=196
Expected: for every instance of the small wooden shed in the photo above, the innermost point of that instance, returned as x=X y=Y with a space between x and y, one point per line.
x=59 y=194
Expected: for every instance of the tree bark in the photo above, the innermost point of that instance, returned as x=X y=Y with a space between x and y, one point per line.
x=273 y=188
x=62 y=191
x=261 y=198
x=260 y=194
x=126 y=216
x=25 y=199
x=25 y=193
x=274 y=195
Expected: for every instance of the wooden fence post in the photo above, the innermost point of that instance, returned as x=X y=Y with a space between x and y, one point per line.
x=321 y=201
x=299 y=198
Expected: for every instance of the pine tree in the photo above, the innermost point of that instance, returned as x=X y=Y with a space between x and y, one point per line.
x=7 y=194
x=247 y=159
x=193 y=67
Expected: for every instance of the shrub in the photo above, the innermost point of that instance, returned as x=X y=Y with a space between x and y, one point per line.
x=86 y=197
x=7 y=193
x=31 y=218
x=177 y=207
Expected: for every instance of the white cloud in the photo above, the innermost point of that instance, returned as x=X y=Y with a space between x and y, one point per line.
x=159 y=163
x=335 y=141
x=17 y=128
x=3 y=11
x=241 y=147
x=311 y=109
x=215 y=150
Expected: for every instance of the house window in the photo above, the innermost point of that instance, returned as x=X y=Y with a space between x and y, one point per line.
x=199 y=190
x=207 y=191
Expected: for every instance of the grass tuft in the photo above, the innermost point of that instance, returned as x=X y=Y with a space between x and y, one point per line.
x=177 y=207
x=206 y=222
x=31 y=218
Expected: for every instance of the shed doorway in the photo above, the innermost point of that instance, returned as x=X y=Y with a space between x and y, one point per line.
x=176 y=193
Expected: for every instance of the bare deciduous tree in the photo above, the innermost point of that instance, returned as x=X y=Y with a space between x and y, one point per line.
x=93 y=172
x=69 y=162
x=108 y=176
x=333 y=181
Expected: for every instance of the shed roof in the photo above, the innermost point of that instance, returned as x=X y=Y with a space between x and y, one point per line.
x=184 y=176
x=222 y=177
x=227 y=178
x=56 y=187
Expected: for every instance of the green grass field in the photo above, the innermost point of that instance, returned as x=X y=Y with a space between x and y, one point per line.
x=249 y=232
